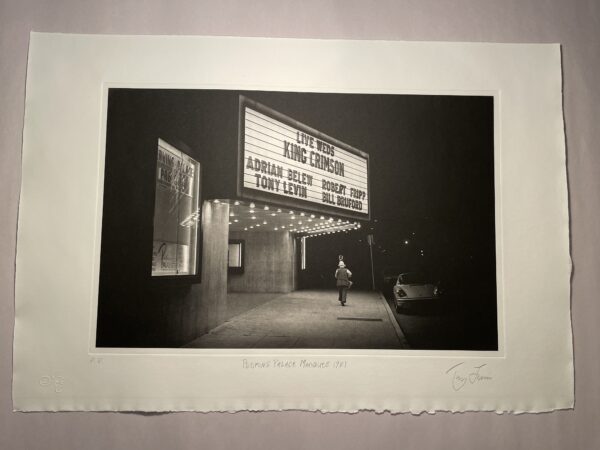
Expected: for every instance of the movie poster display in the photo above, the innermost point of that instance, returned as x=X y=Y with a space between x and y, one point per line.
x=175 y=213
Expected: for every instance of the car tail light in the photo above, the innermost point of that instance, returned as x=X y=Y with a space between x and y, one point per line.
x=400 y=292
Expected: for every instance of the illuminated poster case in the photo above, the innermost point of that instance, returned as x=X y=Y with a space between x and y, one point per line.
x=176 y=213
x=286 y=162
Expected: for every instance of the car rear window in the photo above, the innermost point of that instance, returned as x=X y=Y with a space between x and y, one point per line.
x=412 y=278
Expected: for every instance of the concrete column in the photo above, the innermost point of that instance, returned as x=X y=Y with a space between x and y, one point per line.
x=212 y=298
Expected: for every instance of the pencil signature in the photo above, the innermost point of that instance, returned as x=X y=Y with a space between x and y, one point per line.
x=463 y=375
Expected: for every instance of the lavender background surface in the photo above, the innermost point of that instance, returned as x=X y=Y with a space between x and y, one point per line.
x=575 y=24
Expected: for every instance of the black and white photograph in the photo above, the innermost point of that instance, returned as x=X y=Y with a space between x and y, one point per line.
x=296 y=220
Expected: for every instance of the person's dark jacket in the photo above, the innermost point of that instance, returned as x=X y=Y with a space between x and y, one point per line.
x=342 y=276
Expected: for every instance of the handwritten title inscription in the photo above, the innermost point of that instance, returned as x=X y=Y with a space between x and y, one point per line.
x=305 y=363
x=283 y=160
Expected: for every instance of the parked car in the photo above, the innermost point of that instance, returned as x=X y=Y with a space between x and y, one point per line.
x=413 y=288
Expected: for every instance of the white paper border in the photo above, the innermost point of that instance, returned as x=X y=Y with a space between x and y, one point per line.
x=65 y=117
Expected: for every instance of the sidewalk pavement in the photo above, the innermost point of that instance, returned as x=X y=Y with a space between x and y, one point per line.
x=307 y=319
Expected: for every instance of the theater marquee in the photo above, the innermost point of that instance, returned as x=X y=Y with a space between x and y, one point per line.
x=286 y=162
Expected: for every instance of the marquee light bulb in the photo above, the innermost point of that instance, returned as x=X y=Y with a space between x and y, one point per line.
x=252 y=205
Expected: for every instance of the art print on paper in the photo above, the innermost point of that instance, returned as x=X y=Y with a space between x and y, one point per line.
x=242 y=240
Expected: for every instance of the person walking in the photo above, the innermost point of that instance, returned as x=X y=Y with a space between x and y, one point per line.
x=342 y=276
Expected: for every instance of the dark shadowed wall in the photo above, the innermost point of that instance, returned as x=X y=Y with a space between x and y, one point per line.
x=269 y=263
x=134 y=308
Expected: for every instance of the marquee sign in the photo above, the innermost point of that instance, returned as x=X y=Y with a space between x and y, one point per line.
x=284 y=161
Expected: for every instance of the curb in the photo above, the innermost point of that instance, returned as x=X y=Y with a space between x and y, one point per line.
x=403 y=341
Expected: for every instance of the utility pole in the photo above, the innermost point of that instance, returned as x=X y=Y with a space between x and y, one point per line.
x=370 y=241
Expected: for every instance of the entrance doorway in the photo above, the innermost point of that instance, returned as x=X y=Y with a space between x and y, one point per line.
x=322 y=256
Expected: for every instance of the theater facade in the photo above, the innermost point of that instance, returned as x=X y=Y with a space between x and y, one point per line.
x=212 y=192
